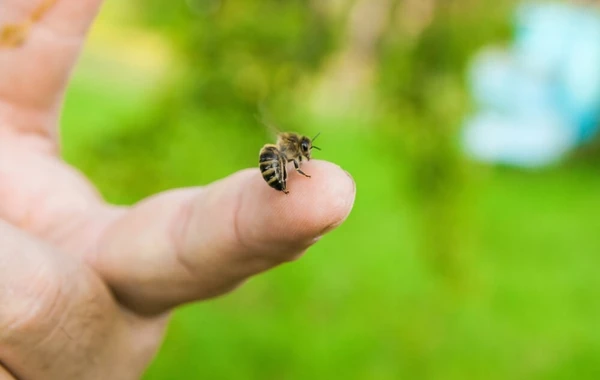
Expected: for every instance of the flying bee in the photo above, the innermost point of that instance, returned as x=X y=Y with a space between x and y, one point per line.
x=273 y=158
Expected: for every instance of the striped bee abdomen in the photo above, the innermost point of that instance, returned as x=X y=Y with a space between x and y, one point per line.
x=272 y=165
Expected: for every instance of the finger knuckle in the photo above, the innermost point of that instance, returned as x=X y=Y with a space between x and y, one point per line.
x=33 y=305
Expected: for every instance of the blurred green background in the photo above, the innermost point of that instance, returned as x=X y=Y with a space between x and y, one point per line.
x=444 y=270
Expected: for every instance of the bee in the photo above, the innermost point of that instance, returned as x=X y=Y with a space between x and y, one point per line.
x=273 y=158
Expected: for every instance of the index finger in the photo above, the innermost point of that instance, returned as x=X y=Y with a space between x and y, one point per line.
x=40 y=41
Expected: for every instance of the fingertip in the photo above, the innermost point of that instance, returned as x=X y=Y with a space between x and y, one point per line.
x=294 y=221
x=326 y=199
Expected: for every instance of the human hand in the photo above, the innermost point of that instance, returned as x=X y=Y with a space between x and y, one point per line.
x=86 y=287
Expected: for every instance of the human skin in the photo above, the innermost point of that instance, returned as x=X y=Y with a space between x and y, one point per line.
x=86 y=288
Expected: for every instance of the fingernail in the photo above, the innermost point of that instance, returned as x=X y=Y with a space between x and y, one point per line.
x=329 y=228
x=337 y=223
x=351 y=179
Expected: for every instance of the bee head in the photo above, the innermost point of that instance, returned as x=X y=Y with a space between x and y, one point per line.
x=306 y=146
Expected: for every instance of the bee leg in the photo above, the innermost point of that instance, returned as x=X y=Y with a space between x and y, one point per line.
x=284 y=175
x=297 y=166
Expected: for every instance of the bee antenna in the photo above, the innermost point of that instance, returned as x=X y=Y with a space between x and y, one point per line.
x=314 y=138
x=316 y=147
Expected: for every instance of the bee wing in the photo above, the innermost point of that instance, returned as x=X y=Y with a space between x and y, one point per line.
x=273 y=130
x=262 y=119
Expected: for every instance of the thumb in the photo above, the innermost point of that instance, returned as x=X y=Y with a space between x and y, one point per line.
x=194 y=244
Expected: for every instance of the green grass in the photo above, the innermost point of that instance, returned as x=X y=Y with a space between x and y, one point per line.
x=364 y=303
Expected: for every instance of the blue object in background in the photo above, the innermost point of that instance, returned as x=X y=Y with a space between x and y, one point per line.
x=540 y=98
